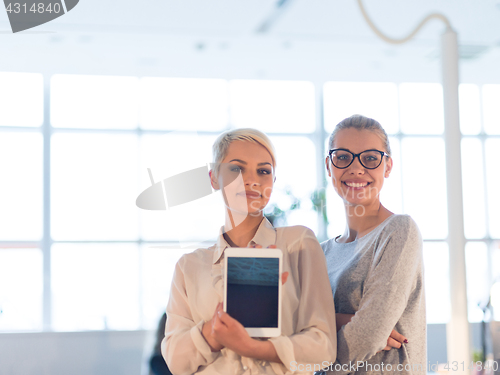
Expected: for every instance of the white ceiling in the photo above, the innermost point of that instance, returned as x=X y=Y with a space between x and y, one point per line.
x=306 y=39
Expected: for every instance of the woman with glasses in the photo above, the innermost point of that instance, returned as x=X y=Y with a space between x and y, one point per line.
x=199 y=336
x=375 y=267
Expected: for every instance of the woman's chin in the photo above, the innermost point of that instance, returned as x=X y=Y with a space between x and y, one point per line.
x=245 y=211
x=361 y=206
x=356 y=202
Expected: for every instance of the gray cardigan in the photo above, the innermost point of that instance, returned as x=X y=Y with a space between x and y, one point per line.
x=379 y=278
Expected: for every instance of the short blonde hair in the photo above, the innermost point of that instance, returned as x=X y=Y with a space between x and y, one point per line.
x=221 y=144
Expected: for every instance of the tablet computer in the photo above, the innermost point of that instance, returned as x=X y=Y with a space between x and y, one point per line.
x=252 y=289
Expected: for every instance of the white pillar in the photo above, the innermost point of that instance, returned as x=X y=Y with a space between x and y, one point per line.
x=457 y=330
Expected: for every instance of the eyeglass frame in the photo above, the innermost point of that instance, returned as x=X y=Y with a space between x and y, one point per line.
x=354 y=156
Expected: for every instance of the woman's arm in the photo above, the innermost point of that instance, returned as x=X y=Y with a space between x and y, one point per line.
x=387 y=288
x=230 y=333
x=184 y=347
x=208 y=333
x=394 y=341
x=314 y=338
x=342 y=319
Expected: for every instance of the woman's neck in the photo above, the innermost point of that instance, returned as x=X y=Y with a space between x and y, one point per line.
x=238 y=231
x=360 y=220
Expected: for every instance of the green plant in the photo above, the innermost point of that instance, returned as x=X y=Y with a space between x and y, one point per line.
x=477 y=355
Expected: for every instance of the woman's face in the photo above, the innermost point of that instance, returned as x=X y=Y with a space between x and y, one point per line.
x=356 y=184
x=246 y=177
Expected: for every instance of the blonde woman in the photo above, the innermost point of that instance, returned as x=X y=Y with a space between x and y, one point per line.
x=199 y=336
x=375 y=266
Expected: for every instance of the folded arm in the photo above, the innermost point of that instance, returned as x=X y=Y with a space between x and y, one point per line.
x=393 y=341
x=386 y=291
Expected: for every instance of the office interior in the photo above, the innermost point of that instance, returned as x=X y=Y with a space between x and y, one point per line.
x=113 y=96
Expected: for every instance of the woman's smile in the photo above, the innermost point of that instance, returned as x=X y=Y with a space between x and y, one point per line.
x=356 y=184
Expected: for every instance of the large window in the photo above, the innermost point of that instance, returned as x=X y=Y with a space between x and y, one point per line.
x=97 y=261
x=21 y=201
x=76 y=151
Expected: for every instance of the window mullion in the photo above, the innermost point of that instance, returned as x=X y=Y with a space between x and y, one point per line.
x=46 y=240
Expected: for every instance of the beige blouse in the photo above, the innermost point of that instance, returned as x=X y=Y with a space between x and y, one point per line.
x=308 y=339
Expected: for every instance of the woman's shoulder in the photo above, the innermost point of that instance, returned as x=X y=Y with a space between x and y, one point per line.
x=399 y=231
x=296 y=237
x=200 y=255
x=328 y=244
x=295 y=230
x=395 y=225
x=400 y=223
x=295 y=233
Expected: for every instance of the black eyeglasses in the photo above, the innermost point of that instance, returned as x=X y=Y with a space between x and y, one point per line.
x=370 y=159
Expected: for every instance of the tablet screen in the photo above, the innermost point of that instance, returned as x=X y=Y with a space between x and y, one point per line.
x=253 y=291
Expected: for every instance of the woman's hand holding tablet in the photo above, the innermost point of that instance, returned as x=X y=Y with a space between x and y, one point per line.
x=231 y=334
x=225 y=331
x=208 y=333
